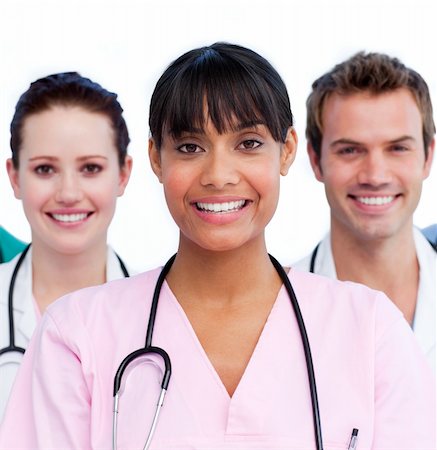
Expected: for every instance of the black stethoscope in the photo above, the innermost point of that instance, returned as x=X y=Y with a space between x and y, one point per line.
x=12 y=348
x=316 y=250
x=313 y=258
x=149 y=349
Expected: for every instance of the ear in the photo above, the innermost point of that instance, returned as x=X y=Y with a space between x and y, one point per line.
x=429 y=159
x=125 y=172
x=315 y=162
x=13 y=178
x=155 y=159
x=288 y=151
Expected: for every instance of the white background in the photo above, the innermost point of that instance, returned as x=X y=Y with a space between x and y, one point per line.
x=125 y=46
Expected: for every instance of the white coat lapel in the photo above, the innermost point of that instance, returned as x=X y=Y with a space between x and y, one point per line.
x=23 y=303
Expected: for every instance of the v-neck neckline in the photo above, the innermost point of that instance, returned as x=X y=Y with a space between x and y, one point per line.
x=204 y=356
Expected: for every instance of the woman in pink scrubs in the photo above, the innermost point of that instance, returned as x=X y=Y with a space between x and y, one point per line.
x=221 y=136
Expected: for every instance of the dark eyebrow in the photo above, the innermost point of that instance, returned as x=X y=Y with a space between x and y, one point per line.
x=49 y=158
x=402 y=139
x=54 y=158
x=87 y=157
x=344 y=141
x=250 y=124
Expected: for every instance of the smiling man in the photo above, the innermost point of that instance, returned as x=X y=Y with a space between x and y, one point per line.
x=370 y=134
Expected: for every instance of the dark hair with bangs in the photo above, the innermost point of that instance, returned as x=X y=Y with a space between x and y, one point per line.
x=68 y=89
x=235 y=85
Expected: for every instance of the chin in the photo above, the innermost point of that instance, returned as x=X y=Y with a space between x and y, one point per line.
x=70 y=248
x=377 y=232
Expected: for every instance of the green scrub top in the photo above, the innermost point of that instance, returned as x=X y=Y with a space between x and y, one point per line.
x=9 y=245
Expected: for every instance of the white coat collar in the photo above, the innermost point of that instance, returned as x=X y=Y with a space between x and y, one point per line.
x=23 y=298
x=324 y=263
x=113 y=266
x=424 y=324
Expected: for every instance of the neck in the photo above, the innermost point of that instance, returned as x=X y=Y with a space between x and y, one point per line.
x=222 y=278
x=388 y=264
x=55 y=274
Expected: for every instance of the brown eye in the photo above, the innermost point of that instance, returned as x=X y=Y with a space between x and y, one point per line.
x=92 y=168
x=44 y=169
x=189 y=148
x=249 y=144
x=348 y=150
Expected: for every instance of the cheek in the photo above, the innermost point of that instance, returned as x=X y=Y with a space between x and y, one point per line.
x=266 y=177
x=176 y=181
x=104 y=195
x=35 y=193
x=335 y=175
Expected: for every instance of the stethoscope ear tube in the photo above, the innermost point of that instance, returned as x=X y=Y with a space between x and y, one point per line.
x=307 y=351
x=154 y=307
x=12 y=347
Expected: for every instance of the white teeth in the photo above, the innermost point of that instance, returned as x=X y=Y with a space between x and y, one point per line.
x=221 y=207
x=376 y=200
x=70 y=217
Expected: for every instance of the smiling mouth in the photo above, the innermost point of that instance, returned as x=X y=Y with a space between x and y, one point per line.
x=376 y=201
x=220 y=208
x=70 y=218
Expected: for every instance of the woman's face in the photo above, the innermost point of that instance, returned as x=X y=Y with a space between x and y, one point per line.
x=68 y=178
x=222 y=189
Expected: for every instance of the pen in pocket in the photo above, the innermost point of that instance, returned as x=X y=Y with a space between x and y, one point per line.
x=354 y=440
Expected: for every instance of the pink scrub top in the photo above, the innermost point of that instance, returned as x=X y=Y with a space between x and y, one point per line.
x=370 y=375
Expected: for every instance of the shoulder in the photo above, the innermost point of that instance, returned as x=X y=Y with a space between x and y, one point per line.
x=424 y=247
x=109 y=299
x=430 y=233
x=9 y=245
x=101 y=322
x=344 y=301
x=8 y=267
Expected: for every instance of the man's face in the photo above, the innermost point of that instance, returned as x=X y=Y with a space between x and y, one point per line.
x=372 y=162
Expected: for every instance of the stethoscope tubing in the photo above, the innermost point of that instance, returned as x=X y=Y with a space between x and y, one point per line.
x=148 y=348
x=11 y=348
x=307 y=352
x=313 y=258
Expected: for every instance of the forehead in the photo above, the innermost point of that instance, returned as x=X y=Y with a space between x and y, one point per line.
x=67 y=133
x=371 y=117
x=66 y=123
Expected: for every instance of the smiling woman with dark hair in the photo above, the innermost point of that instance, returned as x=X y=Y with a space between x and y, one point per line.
x=250 y=355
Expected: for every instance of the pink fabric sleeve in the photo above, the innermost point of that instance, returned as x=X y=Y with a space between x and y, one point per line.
x=49 y=405
x=405 y=416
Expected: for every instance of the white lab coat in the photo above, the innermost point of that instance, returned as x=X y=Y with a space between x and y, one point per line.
x=424 y=325
x=25 y=314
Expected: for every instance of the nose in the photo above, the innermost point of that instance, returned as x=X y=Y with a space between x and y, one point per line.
x=69 y=190
x=220 y=169
x=374 y=170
